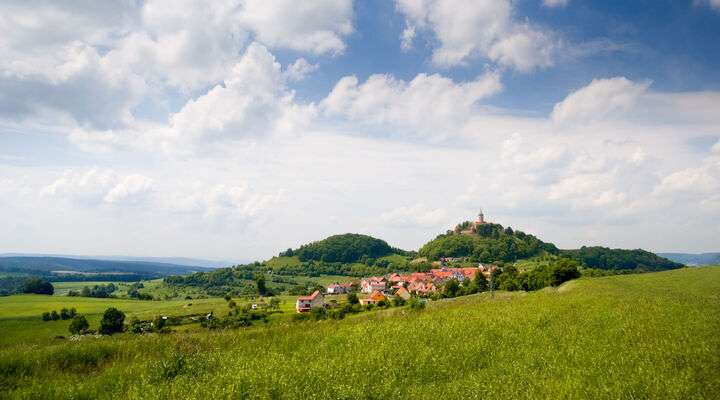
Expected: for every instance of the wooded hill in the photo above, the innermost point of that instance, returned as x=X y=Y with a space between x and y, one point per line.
x=358 y=256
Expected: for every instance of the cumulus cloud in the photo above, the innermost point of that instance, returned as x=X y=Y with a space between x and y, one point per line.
x=89 y=65
x=298 y=70
x=598 y=100
x=427 y=105
x=316 y=26
x=100 y=186
x=485 y=28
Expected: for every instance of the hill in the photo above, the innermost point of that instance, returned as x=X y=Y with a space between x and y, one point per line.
x=619 y=259
x=693 y=259
x=632 y=336
x=485 y=243
x=346 y=248
x=62 y=268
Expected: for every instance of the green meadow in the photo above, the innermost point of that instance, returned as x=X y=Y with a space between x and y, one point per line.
x=652 y=335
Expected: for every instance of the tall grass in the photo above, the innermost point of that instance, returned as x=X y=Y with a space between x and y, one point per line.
x=641 y=336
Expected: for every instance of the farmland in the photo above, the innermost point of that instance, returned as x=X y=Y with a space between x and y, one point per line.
x=634 y=336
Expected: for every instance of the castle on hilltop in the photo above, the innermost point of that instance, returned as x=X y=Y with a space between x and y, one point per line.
x=472 y=228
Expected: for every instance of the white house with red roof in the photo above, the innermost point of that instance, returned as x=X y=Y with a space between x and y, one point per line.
x=373 y=283
x=339 y=288
x=307 y=303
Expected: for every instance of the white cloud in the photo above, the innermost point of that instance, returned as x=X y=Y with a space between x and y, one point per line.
x=220 y=201
x=485 y=28
x=132 y=188
x=555 y=3
x=415 y=215
x=429 y=105
x=598 y=100
x=298 y=70
x=91 y=66
x=316 y=26
x=98 y=186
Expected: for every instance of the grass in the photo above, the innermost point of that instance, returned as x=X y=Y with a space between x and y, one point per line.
x=637 y=336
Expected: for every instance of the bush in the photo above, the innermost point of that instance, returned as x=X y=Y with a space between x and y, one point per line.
x=54 y=315
x=416 y=304
x=46 y=316
x=78 y=325
x=112 y=321
x=318 y=313
x=352 y=298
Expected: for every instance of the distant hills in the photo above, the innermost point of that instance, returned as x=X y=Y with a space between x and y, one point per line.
x=693 y=259
x=55 y=268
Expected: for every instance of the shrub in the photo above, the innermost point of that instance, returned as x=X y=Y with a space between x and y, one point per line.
x=318 y=313
x=112 y=321
x=46 y=316
x=54 y=315
x=78 y=325
x=416 y=304
x=352 y=298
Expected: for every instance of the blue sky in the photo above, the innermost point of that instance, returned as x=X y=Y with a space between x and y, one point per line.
x=237 y=129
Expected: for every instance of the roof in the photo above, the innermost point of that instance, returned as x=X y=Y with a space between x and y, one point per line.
x=311 y=297
x=376 y=295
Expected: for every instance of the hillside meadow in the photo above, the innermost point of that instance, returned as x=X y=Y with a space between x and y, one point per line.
x=651 y=335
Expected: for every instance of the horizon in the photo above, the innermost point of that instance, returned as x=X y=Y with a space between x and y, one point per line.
x=228 y=131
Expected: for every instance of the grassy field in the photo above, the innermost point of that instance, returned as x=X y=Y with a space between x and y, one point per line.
x=633 y=337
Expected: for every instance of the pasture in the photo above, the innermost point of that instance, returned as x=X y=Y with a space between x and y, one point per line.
x=633 y=336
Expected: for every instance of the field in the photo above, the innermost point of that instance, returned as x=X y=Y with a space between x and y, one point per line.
x=635 y=336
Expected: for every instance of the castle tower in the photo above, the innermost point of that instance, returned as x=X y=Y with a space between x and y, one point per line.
x=481 y=218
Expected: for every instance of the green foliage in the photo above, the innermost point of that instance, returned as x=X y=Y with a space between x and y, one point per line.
x=98 y=291
x=605 y=258
x=352 y=298
x=112 y=321
x=38 y=286
x=79 y=325
x=416 y=304
x=347 y=248
x=554 y=273
x=489 y=243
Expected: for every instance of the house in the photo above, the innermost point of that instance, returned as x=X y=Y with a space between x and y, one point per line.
x=374 y=298
x=306 y=303
x=403 y=293
x=339 y=288
x=374 y=283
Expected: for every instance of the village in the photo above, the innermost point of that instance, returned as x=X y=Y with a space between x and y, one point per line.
x=379 y=289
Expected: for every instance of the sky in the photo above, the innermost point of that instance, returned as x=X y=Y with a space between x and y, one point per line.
x=235 y=129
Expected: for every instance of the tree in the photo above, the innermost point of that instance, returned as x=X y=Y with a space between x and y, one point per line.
x=54 y=315
x=78 y=325
x=65 y=314
x=352 y=298
x=46 y=316
x=261 y=287
x=227 y=297
x=112 y=321
x=480 y=282
x=274 y=303
x=38 y=286
x=451 y=288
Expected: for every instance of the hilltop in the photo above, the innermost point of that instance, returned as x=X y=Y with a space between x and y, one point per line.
x=345 y=248
x=486 y=242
